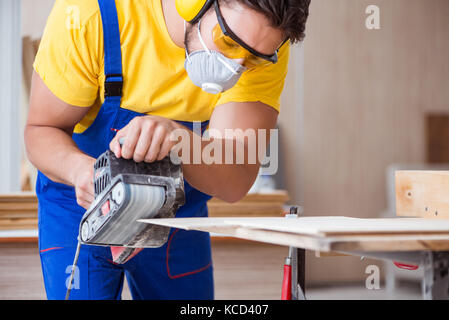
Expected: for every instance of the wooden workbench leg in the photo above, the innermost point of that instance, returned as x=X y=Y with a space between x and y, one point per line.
x=299 y=274
x=435 y=285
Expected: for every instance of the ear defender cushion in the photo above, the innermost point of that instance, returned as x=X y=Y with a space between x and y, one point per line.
x=192 y=10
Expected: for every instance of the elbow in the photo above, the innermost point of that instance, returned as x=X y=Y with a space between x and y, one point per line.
x=234 y=190
x=233 y=195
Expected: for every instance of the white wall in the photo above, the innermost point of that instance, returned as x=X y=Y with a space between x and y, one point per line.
x=10 y=90
x=365 y=96
x=34 y=16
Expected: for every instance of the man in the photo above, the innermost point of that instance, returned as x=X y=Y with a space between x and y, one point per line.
x=137 y=70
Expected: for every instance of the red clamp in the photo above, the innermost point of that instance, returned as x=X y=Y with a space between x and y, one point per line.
x=287 y=281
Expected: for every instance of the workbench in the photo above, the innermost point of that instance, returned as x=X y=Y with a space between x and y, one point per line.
x=418 y=236
x=429 y=249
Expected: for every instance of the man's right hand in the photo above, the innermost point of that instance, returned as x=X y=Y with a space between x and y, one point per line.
x=49 y=143
x=83 y=181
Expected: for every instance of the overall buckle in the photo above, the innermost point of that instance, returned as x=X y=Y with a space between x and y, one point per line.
x=113 y=85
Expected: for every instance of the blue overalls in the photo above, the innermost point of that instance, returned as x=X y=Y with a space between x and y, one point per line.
x=181 y=269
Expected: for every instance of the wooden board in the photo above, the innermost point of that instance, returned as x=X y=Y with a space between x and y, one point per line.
x=324 y=243
x=257 y=204
x=18 y=197
x=422 y=194
x=317 y=226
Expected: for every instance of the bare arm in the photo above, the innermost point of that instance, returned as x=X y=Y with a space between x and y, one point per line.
x=48 y=140
x=231 y=182
x=148 y=138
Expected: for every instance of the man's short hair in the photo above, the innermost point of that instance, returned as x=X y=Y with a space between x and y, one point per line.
x=290 y=16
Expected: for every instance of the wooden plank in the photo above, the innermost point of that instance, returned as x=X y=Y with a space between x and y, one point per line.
x=16 y=214
x=16 y=206
x=275 y=196
x=343 y=243
x=246 y=209
x=390 y=243
x=422 y=194
x=31 y=196
x=317 y=226
x=15 y=224
x=321 y=254
x=257 y=204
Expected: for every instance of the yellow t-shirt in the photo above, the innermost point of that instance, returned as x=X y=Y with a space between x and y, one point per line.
x=70 y=61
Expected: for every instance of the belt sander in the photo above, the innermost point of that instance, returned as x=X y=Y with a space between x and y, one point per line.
x=126 y=191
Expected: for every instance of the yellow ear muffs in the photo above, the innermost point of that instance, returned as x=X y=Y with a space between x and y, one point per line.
x=192 y=10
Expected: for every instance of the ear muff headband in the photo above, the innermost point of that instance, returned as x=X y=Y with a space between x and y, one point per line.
x=192 y=10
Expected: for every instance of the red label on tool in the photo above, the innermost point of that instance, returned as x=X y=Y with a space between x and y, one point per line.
x=105 y=208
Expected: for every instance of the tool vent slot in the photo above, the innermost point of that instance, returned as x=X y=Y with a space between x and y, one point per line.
x=101 y=183
x=102 y=177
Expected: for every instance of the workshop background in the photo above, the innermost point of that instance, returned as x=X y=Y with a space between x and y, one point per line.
x=358 y=104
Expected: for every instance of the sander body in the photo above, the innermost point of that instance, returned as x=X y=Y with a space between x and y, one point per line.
x=126 y=191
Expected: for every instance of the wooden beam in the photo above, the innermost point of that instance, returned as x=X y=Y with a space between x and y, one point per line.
x=257 y=204
x=422 y=194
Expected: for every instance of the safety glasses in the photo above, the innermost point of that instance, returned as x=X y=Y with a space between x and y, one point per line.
x=234 y=48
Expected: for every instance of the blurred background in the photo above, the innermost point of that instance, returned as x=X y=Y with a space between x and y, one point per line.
x=359 y=103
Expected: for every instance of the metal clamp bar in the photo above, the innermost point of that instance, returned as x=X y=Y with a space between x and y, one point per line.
x=435 y=285
x=298 y=264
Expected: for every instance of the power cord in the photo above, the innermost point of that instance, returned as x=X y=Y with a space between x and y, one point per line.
x=72 y=274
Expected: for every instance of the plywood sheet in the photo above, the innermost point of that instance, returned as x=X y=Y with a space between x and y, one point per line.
x=316 y=226
x=307 y=237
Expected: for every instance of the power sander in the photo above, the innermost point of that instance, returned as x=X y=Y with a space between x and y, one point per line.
x=126 y=191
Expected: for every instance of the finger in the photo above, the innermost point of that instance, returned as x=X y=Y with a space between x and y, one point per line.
x=86 y=196
x=82 y=201
x=115 y=147
x=91 y=191
x=166 y=147
x=117 y=142
x=131 y=138
x=83 y=204
x=159 y=136
x=144 y=142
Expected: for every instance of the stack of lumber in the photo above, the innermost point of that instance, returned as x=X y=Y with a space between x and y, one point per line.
x=253 y=205
x=18 y=211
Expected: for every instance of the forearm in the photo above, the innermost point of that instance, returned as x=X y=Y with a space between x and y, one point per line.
x=227 y=182
x=54 y=153
x=213 y=167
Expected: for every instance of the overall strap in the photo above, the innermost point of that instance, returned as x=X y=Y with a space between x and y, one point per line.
x=113 y=84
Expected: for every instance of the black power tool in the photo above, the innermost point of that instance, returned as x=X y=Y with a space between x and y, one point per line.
x=126 y=191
